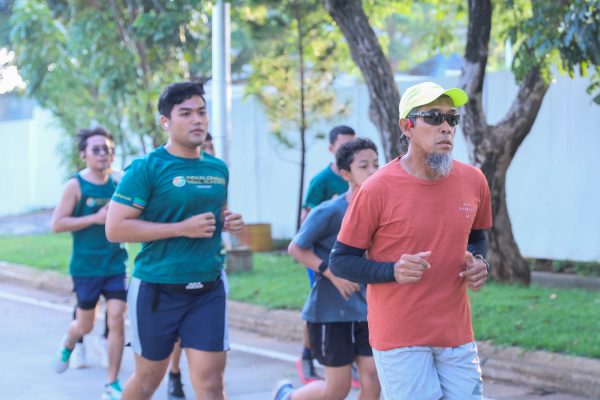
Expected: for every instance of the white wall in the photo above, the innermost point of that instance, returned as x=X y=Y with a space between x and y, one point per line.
x=552 y=188
x=30 y=173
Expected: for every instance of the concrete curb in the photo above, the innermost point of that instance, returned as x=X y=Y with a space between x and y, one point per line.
x=551 y=371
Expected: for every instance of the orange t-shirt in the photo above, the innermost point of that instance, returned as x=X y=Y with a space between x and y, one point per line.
x=394 y=213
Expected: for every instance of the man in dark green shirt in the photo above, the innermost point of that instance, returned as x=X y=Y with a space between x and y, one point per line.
x=175 y=201
x=328 y=183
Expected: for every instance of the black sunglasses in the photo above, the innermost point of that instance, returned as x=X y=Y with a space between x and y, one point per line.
x=96 y=150
x=436 y=117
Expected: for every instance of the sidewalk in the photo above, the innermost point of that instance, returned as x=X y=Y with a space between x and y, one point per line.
x=547 y=371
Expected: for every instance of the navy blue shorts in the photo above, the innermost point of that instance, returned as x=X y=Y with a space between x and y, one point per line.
x=157 y=320
x=89 y=288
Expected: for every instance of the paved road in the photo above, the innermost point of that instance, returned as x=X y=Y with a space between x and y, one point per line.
x=34 y=321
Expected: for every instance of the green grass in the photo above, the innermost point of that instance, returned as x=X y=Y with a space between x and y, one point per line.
x=537 y=318
x=558 y=320
x=276 y=281
x=50 y=252
x=47 y=252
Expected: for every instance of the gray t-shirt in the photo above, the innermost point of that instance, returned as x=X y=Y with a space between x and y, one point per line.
x=318 y=233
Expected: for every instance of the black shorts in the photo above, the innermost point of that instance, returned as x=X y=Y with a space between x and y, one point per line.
x=335 y=344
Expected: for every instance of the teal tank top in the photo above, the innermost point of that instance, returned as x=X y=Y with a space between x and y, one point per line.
x=93 y=254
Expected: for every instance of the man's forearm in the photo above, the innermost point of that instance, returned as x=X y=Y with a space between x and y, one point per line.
x=477 y=243
x=136 y=230
x=348 y=262
x=73 y=224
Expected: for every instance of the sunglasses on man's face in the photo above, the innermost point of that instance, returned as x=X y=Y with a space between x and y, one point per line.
x=96 y=150
x=436 y=117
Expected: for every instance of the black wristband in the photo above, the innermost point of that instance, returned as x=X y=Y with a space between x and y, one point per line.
x=323 y=266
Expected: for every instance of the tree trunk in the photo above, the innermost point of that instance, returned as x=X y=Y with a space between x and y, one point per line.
x=492 y=148
x=376 y=70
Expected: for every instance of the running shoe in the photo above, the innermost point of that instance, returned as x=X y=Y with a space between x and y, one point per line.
x=78 y=357
x=100 y=348
x=62 y=356
x=175 y=387
x=282 y=390
x=112 y=391
x=306 y=370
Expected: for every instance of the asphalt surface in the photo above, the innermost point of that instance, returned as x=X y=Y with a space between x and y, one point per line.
x=33 y=321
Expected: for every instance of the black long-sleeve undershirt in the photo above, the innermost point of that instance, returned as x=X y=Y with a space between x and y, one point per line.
x=348 y=262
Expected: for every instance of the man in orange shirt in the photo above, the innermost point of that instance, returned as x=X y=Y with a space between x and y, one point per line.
x=415 y=217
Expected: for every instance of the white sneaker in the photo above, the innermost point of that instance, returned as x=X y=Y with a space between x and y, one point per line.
x=100 y=346
x=112 y=391
x=78 y=357
x=62 y=357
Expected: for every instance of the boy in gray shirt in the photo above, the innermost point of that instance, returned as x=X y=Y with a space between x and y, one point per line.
x=336 y=309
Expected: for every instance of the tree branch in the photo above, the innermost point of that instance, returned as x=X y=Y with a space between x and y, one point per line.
x=517 y=123
x=473 y=71
x=376 y=70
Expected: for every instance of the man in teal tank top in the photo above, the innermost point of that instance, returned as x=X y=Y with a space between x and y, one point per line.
x=174 y=201
x=97 y=266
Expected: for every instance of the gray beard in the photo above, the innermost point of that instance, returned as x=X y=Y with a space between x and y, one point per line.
x=439 y=163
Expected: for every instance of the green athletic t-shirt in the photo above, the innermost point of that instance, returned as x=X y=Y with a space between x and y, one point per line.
x=324 y=186
x=168 y=189
x=93 y=254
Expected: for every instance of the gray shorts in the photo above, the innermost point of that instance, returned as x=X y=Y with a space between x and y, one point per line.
x=430 y=373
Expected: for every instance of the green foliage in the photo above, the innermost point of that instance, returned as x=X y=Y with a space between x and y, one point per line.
x=413 y=32
x=106 y=62
x=294 y=102
x=561 y=33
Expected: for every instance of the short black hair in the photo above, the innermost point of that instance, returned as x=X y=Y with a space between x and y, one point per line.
x=340 y=130
x=177 y=93
x=208 y=137
x=84 y=134
x=345 y=154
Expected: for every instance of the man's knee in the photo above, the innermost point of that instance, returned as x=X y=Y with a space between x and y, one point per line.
x=142 y=387
x=116 y=323
x=210 y=382
x=116 y=315
x=147 y=382
x=85 y=326
x=338 y=392
x=213 y=389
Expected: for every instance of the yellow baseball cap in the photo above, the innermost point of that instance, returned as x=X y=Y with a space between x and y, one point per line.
x=426 y=92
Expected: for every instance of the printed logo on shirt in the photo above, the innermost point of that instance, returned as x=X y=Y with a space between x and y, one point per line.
x=120 y=196
x=205 y=180
x=467 y=209
x=179 y=181
x=95 y=202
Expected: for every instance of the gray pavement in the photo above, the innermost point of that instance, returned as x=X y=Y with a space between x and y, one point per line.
x=33 y=321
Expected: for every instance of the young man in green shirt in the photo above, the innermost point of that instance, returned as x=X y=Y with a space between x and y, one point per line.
x=97 y=266
x=175 y=201
x=174 y=385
